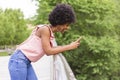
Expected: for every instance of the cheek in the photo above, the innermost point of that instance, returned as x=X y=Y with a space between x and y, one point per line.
x=62 y=28
x=66 y=28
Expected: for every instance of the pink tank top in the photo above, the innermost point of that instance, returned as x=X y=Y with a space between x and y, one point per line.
x=32 y=47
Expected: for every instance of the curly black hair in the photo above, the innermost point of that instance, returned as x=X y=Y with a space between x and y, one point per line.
x=62 y=14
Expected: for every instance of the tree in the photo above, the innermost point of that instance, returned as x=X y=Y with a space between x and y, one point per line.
x=98 y=22
x=13 y=27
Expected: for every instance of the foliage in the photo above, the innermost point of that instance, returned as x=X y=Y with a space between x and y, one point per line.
x=13 y=27
x=43 y=12
x=3 y=54
x=97 y=58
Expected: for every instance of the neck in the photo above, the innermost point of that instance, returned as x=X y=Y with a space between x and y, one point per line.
x=53 y=28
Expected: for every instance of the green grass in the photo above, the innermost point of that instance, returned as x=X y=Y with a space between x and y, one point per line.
x=3 y=54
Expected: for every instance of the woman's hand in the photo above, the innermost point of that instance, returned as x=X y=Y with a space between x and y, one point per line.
x=75 y=44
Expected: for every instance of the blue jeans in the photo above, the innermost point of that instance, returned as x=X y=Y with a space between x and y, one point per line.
x=20 y=67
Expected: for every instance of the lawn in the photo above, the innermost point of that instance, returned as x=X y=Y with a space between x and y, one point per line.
x=3 y=54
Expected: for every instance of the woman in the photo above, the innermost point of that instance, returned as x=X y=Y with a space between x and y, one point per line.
x=40 y=43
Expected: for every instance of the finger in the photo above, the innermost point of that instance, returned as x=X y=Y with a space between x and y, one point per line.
x=78 y=40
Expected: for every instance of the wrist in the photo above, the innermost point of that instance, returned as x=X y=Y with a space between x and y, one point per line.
x=68 y=47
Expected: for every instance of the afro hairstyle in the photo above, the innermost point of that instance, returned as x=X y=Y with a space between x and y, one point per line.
x=62 y=14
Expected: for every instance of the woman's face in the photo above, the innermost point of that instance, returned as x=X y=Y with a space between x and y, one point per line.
x=63 y=28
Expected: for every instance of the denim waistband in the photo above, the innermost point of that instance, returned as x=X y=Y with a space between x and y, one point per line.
x=18 y=54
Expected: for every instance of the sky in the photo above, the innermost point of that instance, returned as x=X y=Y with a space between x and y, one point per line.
x=28 y=7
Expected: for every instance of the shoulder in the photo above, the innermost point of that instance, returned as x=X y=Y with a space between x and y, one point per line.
x=43 y=31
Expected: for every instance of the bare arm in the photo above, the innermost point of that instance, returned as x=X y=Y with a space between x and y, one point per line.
x=45 y=38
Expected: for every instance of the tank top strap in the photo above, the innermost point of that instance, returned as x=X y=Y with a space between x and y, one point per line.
x=38 y=26
x=51 y=33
